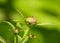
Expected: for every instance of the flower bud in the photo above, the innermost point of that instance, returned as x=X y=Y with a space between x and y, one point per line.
x=32 y=36
x=16 y=31
x=31 y=20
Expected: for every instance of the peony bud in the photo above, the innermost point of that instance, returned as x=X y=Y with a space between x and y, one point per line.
x=31 y=20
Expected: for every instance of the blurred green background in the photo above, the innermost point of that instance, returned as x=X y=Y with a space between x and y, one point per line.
x=45 y=11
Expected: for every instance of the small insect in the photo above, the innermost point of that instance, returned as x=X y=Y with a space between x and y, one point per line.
x=30 y=20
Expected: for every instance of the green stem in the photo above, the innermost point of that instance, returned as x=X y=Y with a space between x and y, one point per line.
x=10 y=24
x=26 y=32
x=16 y=39
x=20 y=13
x=2 y=40
x=18 y=25
x=19 y=38
x=25 y=39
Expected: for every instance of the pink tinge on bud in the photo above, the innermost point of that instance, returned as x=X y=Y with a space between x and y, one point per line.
x=31 y=20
